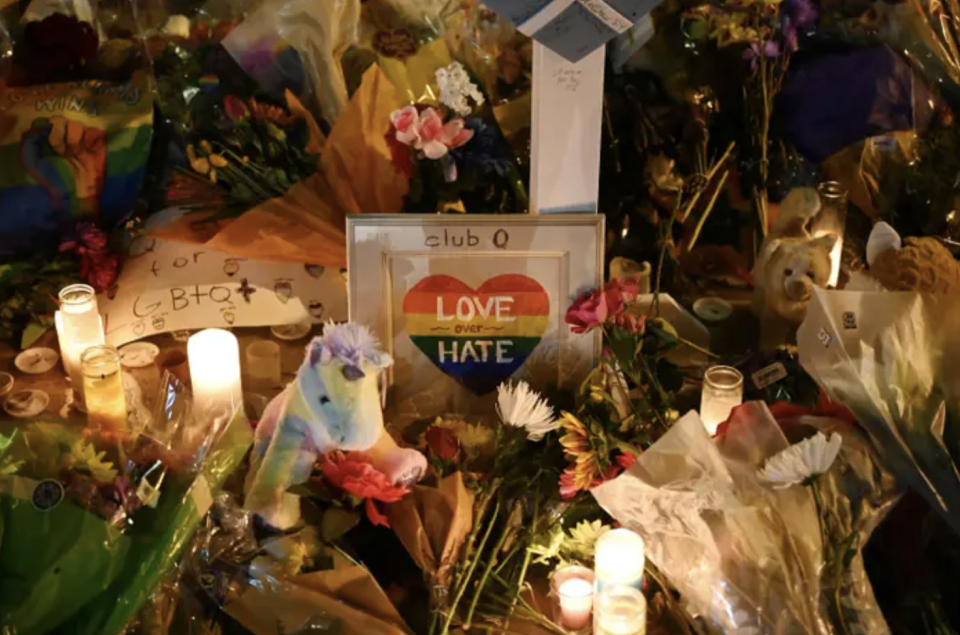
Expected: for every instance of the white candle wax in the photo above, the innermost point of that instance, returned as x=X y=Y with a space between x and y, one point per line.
x=722 y=392
x=619 y=559
x=214 y=356
x=576 y=603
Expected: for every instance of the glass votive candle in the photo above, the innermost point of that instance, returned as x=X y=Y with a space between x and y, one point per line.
x=722 y=392
x=103 y=388
x=78 y=328
x=621 y=610
x=619 y=559
x=263 y=363
x=573 y=587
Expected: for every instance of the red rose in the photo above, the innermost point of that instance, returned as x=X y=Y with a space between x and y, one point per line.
x=355 y=474
x=400 y=154
x=443 y=443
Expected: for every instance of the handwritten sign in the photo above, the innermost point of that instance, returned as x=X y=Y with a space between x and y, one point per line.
x=465 y=303
x=573 y=28
x=169 y=286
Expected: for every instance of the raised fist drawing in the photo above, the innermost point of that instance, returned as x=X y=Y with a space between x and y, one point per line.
x=68 y=159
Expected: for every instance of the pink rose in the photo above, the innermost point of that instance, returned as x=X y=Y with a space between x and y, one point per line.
x=631 y=323
x=456 y=134
x=235 y=109
x=407 y=122
x=432 y=135
x=628 y=289
x=588 y=312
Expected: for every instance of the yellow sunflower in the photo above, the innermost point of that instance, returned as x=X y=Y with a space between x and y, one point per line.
x=576 y=444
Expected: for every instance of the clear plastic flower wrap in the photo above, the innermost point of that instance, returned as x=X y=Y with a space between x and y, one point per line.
x=92 y=522
x=292 y=583
x=748 y=556
x=891 y=359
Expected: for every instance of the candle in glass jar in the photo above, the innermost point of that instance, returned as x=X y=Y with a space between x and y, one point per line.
x=78 y=328
x=573 y=587
x=214 y=356
x=621 y=610
x=619 y=559
x=832 y=219
x=103 y=388
x=722 y=392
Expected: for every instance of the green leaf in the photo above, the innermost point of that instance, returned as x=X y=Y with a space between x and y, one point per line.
x=31 y=334
x=337 y=522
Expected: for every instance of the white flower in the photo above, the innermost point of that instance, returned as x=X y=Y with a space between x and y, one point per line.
x=177 y=26
x=522 y=407
x=455 y=87
x=803 y=460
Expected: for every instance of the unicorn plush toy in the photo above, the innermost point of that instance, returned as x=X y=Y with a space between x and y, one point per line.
x=334 y=404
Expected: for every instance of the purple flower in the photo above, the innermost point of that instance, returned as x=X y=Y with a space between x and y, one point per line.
x=770 y=49
x=797 y=16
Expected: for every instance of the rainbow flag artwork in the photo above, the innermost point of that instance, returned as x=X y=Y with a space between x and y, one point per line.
x=71 y=152
x=480 y=337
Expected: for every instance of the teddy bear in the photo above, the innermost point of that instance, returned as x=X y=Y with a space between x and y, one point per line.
x=333 y=404
x=912 y=264
x=791 y=263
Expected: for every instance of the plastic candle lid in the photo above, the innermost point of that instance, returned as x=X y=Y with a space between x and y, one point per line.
x=712 y=309
x=34 y=361
x=138 y=354
x=26 y=403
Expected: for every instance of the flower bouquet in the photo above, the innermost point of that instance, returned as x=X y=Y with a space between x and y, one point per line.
x=243 y=144
x=895 y=372
x=90 y=523
x=455 y=161
x=296 y=582
x=760 y=536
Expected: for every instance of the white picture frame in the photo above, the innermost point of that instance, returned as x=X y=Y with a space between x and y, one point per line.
x=465 y=302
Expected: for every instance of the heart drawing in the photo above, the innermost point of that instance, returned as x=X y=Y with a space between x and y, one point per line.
x=480 y=337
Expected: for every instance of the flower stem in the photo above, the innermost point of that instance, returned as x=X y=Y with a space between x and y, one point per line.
x=833 y=562
x=697 y=348
x=462 y=587
x=526 y=555
x=491 y=562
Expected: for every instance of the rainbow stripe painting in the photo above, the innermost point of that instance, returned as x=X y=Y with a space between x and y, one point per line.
x=479 y=337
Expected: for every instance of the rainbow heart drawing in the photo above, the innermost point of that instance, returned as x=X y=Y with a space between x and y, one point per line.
x=480 y=337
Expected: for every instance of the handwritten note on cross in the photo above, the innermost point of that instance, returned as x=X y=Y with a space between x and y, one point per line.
x=567 y=124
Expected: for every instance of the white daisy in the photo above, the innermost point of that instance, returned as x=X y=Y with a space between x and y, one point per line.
x=522 y=407
x=802 y=461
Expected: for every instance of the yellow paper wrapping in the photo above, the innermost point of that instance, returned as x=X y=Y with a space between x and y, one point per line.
x=348 y=593
x=356 y=162
x=307 y=224
x=433 y=523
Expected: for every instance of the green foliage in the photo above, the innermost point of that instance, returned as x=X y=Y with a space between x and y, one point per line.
x=29 y=289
